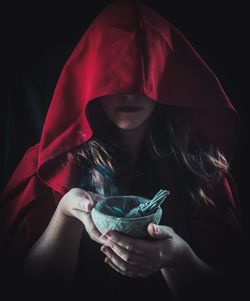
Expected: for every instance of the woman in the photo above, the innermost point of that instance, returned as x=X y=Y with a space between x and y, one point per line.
x=135 y=110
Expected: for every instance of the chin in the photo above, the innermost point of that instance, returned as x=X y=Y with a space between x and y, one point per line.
x=128 y=126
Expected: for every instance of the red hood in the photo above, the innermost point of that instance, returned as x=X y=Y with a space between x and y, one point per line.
x=128 y=49
x=131 y=49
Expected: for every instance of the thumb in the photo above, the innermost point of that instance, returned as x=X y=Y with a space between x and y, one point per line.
x=160 y=231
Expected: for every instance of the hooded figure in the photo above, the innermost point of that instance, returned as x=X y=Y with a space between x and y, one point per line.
x=129 y=49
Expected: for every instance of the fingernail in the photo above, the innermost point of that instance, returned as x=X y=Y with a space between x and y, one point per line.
x=103 y=249
x=104 y=237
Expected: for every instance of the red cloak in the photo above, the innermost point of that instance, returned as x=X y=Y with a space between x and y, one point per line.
x=128 y=49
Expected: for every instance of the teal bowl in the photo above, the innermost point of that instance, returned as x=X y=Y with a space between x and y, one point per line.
x=108 y=214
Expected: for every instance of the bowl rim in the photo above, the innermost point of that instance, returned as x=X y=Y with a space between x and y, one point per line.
x=112 y=217
x=122 y=196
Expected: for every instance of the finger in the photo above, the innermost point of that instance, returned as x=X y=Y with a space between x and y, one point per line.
x=129 y=257
x=81 y=200
x=110 y=263
x=95 y=196
x=160 y=231
x=90 y=227
x=121 y=264
x=82 y=204
x=135 y=245
x=95 y=235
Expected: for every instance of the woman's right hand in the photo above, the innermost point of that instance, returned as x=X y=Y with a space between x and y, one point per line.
x=77 y=203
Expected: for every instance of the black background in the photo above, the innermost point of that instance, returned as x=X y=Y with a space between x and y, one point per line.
x=39 y=39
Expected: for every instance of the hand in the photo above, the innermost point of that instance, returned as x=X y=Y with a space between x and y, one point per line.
x=135 y=257
x=78 y=203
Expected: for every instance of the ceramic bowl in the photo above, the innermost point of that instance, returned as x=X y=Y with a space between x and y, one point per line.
x=108 y=214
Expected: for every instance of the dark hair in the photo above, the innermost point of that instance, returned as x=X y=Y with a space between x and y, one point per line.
x=171 y=143
x=176 y=146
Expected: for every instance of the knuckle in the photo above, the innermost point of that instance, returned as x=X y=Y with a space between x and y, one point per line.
x=127 y=258
x=130 y=248
x=110 y=243
x=74 y=191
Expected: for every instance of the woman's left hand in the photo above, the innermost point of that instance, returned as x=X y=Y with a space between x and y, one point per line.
x=135 y=257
